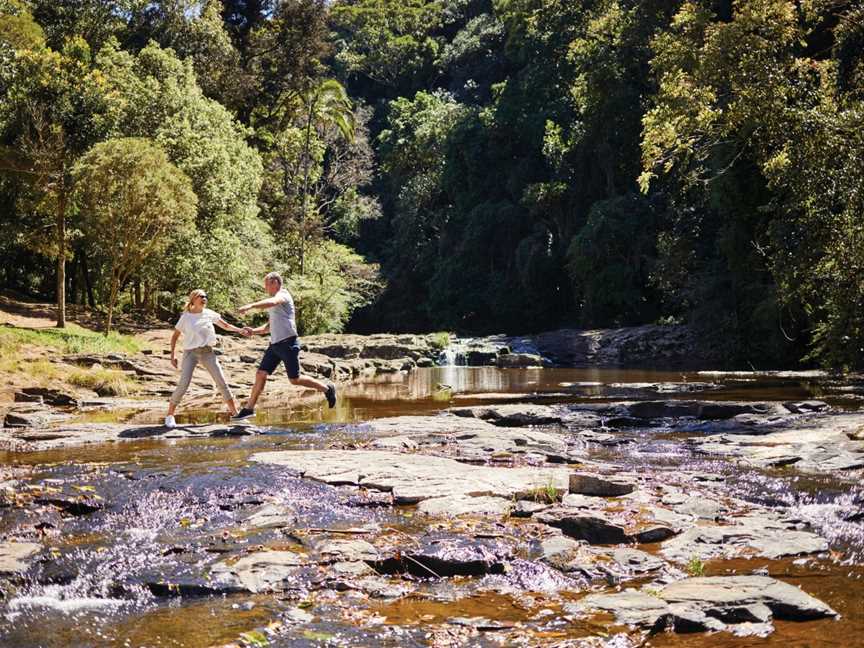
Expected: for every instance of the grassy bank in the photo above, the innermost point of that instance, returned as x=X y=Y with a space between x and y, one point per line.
x=72 y=339
x=26 y=352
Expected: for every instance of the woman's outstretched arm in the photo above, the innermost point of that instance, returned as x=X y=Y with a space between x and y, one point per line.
x=221 y=323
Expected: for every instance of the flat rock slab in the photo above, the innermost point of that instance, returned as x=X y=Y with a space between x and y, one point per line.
x=16 y=557
x=470 y=438
x=343 y=550
x=740 y=604
x=48 y=438
x=518 y=414
x=270 y=516
x=458 y=505
x=262 y=571
x=818 y=443
x=440 y=556
x=718 y=595
x=414 y=478
x=749 y=536
x=597 y=527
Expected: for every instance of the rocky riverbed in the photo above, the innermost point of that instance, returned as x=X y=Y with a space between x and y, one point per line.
x=447 y=506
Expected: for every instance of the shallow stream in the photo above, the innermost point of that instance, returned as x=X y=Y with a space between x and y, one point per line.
x=125 y=574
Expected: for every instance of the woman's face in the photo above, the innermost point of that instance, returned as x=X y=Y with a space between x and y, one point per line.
x=201 y=301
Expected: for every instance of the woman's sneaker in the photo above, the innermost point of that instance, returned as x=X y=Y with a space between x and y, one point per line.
x=330 y=395
x=170 y=422
x=243 y=414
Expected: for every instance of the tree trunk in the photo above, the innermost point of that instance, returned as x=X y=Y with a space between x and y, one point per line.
x=72 y=280
x=115 y=288
x=305 y=188
x=61 y=259
x=87 y=285
x=148 y=298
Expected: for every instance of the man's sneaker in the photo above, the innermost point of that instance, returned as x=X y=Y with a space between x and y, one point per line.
x=243 y=414
x=170 y=422
x=330 y=395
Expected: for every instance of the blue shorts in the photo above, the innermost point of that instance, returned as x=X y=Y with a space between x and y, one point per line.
x=287 y=351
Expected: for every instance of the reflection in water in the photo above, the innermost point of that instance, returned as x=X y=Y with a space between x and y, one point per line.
x=425 y=391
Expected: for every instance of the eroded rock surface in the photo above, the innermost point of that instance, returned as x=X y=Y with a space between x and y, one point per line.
x=413 y=478
x=468 y=438
x=86 y=433
x=740 y=604
x=16 y=557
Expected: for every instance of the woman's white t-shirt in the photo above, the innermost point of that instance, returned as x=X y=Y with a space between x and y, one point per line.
x=197 y=328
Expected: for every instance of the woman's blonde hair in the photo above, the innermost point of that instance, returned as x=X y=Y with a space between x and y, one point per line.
x=192 y=295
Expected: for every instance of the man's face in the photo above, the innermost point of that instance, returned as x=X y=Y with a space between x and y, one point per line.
x=271 y=286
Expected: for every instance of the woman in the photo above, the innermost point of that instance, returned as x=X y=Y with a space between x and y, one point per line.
x=199 y=338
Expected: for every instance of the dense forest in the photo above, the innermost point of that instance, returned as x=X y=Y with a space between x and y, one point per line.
x=469 y=165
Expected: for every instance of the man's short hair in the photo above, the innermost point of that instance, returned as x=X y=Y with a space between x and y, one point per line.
x=274 y=276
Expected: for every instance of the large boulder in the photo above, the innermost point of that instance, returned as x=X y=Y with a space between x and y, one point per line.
x=519 y=360
x=596 y=485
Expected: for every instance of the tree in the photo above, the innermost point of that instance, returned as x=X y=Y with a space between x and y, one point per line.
x=337 y=282
x=160 y=99
x=325 y=104
x=756 y=132
x=283 y=58
x=135 y=201
x=392 y=45
x=194 y=30
x=55 y=105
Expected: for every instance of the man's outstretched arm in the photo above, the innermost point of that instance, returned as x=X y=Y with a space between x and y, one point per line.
x=261 y=304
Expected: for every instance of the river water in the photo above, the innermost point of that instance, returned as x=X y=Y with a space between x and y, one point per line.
x=125 y=575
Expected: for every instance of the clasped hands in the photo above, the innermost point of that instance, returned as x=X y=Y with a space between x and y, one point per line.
x=246 y=331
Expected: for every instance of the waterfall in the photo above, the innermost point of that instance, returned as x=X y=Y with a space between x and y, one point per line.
x=454 y=355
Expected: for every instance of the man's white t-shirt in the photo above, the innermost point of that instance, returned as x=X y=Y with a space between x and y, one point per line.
x=197 y=328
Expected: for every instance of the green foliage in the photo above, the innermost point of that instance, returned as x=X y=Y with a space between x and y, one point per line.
x=695 y=567
x=487 y=153
x=610 y=260
x=336 y=282
x=160 y=98
x=546 y=494
x=390 y=42
x=744 y=98
x=136 y=200
x=440 y=340
x=18 y=29
x=105 y=382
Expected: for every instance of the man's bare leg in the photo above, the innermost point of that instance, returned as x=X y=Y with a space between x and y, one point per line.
x=328 y=388
x=257 y=388
x=306 y=381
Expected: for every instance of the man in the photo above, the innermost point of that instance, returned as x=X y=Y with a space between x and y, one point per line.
x=284 y=345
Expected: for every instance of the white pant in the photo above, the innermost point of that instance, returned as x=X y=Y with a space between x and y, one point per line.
x=191 y=358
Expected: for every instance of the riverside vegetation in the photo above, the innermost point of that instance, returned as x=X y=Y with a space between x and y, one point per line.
x=469 y=165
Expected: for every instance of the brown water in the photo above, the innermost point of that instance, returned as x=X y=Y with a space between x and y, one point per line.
x=189 y=493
